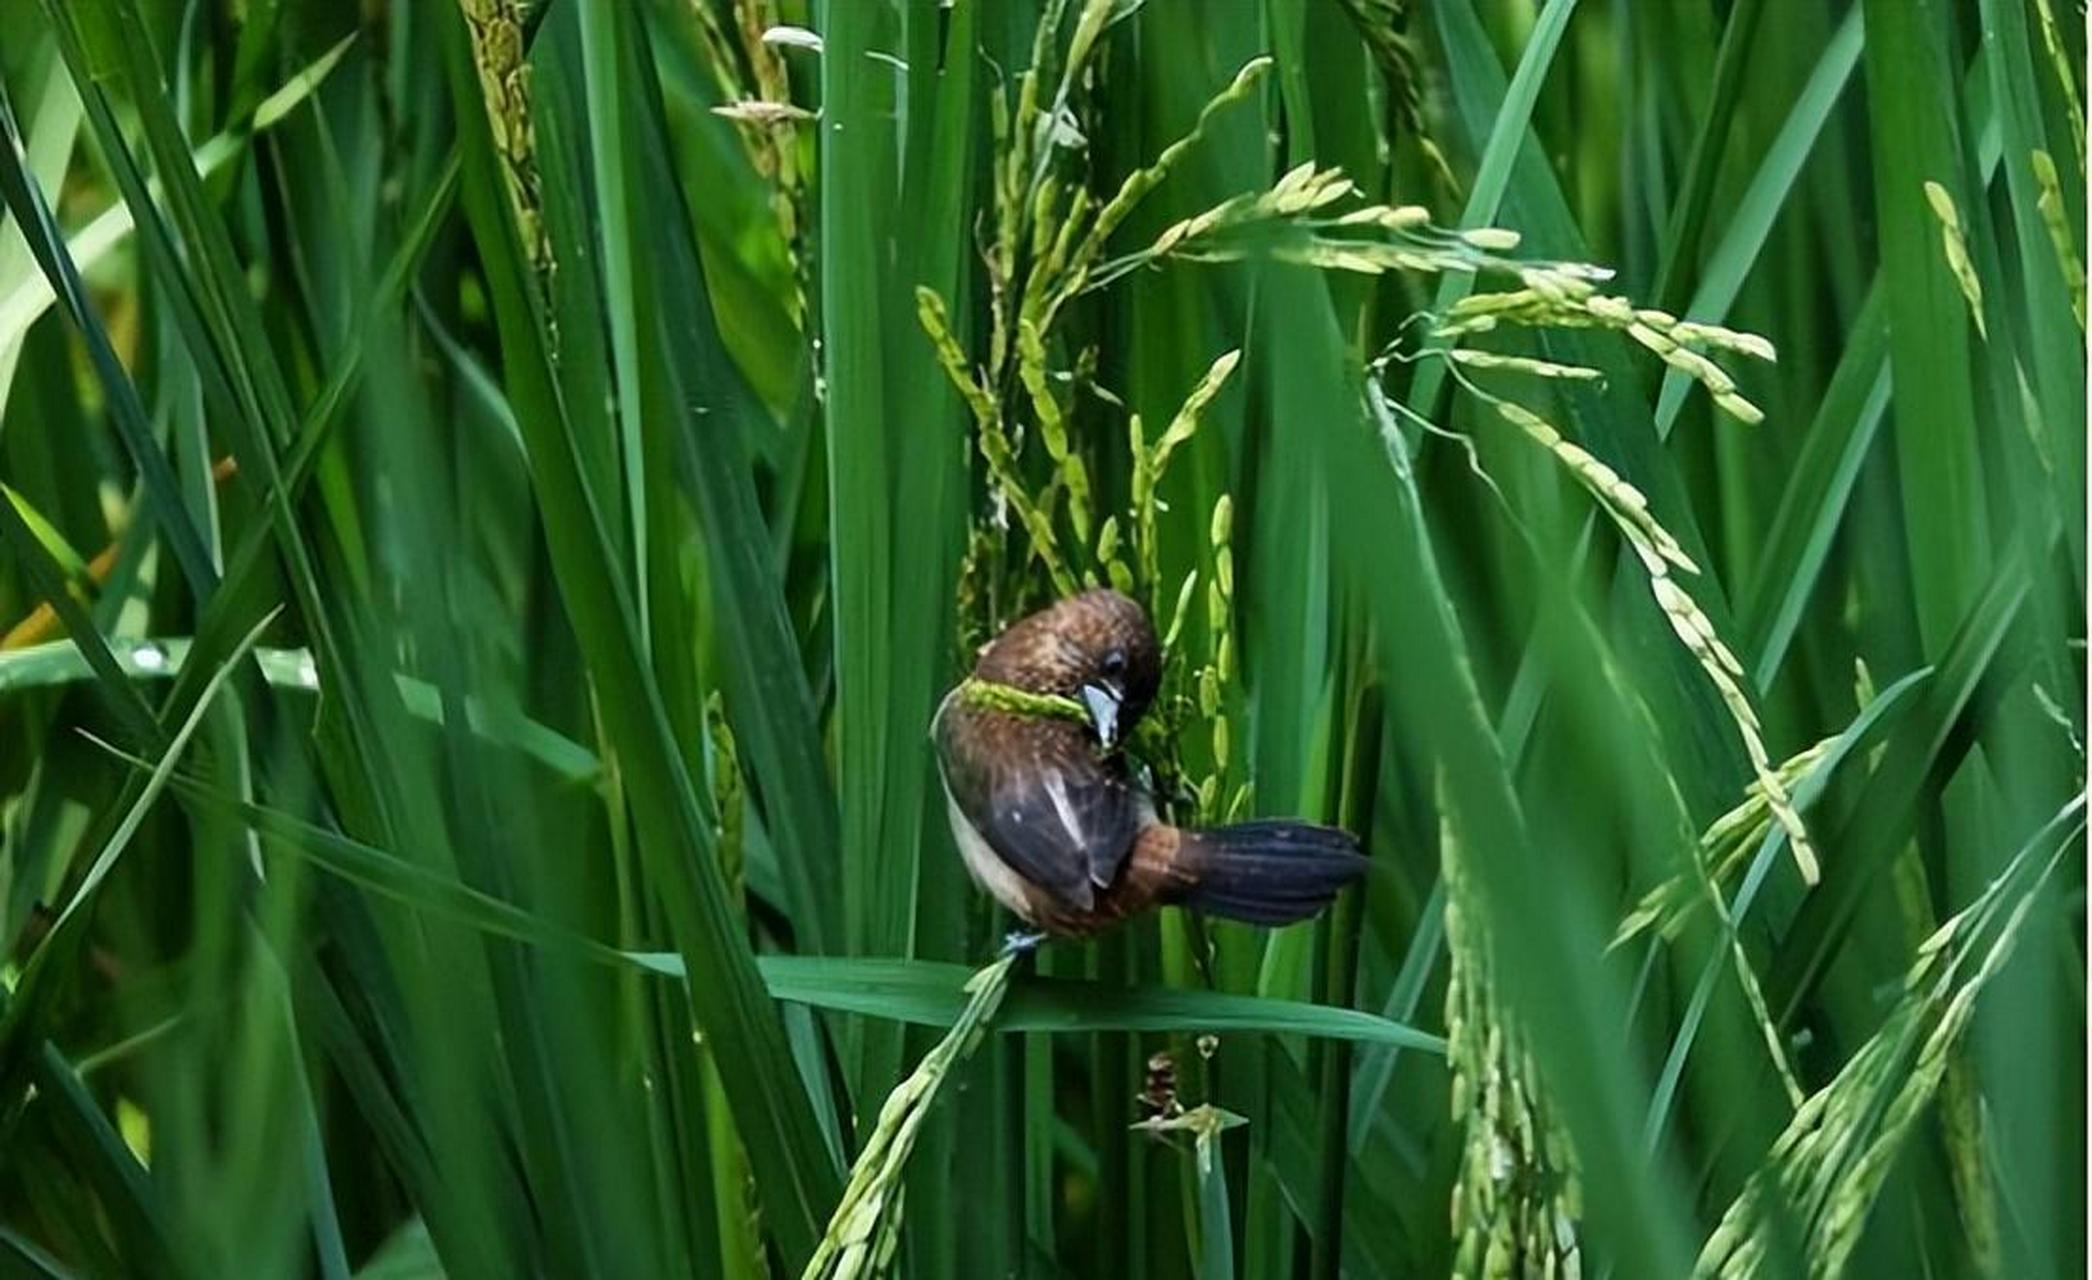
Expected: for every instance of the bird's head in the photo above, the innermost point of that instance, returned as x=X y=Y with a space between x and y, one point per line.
x=1097 y=648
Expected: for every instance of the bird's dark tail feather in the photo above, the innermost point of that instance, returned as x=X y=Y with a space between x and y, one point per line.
x=1272 y=872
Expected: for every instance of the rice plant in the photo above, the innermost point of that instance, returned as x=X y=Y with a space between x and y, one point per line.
x=494 y=492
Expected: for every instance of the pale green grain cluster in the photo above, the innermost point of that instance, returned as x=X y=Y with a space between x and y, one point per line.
x=1050 y=232
x=990 y=695
x=1009 y=493
x=1690 y=623
x=1498 y=362
x=1954 y=242
x=2056 y=220
x=1964 y=1128
x=729 y=795
x=737 y=1207
x=499 y=56
x=1723 y=850
x=1298 y=220
x=1207 y=672
x=1051 y=229
x=1071 y=268
x=1151 y=462
x=1566 y=296
x=1966 y=1134
x=1218 y=674
x=1828 y=1167
x=1717 y=860
x=1626 y=505
x=1071 y=474
x=864 y=1232
x=1551 y=294
x=1516 y=1202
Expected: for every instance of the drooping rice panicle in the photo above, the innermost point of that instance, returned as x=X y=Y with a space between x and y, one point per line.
x=1659 y=554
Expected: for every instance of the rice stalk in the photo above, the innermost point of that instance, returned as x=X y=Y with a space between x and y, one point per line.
x=1289 y=222
x=1069 y=470
x=1829 y=1166
x=1474 y=358
x=1219 y=673
x=1964 y=1135
x=1963 y=1130
x=1550 y=297
x=863 y=1235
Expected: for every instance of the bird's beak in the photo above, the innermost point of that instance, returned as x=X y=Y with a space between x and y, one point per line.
x=1103 y=704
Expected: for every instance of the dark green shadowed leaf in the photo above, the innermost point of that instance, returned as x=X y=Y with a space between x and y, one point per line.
x=712 y=416
x=674 y=831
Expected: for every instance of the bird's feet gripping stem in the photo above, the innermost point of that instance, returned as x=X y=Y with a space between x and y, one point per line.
x=1019 y=942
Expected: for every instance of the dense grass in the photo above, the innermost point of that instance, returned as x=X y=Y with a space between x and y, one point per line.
x=495 y=491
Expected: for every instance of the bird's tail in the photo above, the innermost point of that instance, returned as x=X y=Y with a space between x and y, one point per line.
x=1271 y=872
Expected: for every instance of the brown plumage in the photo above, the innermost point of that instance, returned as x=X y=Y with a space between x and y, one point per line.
x=1050 y=821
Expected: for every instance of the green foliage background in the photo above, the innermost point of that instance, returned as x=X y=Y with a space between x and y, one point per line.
x=495 y=491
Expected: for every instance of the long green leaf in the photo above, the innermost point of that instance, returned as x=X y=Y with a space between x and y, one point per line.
x=1771 y=190
x=925 y=992
x=930 y=993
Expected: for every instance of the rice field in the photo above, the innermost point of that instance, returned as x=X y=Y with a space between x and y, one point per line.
x=495 y=493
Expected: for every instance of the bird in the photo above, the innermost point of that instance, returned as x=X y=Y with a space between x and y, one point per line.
x=1049 y=817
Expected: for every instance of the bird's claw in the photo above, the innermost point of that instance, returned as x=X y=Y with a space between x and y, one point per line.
x=1020 y=941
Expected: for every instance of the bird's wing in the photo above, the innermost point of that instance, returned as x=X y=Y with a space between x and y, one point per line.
x=1043 y=801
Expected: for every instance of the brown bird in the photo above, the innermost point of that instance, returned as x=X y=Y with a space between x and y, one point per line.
x=1046 y=815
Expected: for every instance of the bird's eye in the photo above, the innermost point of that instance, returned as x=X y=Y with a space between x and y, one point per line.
x=1115 y=663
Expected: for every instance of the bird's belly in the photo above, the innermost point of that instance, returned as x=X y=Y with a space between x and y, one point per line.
x=986 y=866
